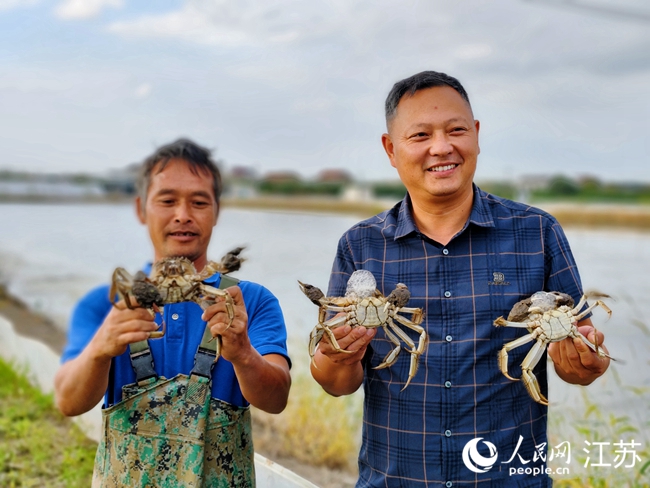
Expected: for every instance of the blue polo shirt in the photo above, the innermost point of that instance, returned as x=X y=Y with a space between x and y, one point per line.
x=174 y=353
x=505 y=252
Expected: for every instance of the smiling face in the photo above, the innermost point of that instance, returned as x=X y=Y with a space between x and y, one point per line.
x=432 y=141
x=179 y=212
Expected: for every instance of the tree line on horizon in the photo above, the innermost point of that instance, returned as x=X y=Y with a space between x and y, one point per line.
x=558 y=187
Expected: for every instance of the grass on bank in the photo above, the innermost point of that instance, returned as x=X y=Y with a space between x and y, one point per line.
x=315 y=428
x=587 y=422
x=39 y=447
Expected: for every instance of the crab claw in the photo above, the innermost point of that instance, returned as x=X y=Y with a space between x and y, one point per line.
x=312 y=292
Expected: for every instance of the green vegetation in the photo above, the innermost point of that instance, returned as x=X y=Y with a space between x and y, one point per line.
x=297 y=187
x=38 y=446
x=588 y=423
x=592 y=190
x=393 y=189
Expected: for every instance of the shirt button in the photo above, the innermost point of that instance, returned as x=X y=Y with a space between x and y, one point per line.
x=447 y=384
x=448 y=338
x=175 y=316
x=445 y=251
x=449 y=484
x=447 y=433
x=447 y=294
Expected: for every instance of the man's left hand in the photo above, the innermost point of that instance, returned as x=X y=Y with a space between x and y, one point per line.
x=234 y=338
x=575 y=362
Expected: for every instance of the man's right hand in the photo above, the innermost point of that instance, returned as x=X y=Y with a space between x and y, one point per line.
x=80 y=383
x=351 y=339
x=341 y=373
x=121 y=327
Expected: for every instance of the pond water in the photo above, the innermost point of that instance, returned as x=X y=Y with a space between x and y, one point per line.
x=50 y=255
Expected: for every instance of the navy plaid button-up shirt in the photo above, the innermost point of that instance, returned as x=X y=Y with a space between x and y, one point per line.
x=415 y=437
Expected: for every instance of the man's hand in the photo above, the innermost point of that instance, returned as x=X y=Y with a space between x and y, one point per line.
x=264 y=380
x=121 y=327
x=351 y=339
x=235 y=344
x=575 y=362
x=81 y=383
x=337 y=372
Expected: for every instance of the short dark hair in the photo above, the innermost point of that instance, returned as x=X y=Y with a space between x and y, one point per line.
x=420 y=81
x=197 y=157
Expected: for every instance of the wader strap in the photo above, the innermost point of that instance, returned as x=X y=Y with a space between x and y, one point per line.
x=204 y=358
x=142 y=361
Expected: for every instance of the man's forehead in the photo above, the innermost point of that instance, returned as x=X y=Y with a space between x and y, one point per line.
x=445 y=95
x=177 y=163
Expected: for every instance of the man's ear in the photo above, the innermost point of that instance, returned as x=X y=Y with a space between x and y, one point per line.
x=387 y=142
x=139 y=210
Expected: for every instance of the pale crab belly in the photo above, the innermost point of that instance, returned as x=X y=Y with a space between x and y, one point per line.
x=370 y=317
x=173 y=295
x=557 y=328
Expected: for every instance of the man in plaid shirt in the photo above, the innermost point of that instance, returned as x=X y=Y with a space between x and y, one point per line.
x=467 y=257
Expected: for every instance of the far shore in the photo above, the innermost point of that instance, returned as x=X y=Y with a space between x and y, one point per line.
x=569 y=214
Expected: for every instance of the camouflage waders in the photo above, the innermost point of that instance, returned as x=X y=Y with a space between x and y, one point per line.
x=172 y=433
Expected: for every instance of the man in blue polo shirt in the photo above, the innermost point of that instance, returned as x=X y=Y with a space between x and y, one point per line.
x=171 y=417
x=467 y=257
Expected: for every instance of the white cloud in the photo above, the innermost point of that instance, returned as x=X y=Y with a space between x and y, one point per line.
x=83 y=9
x=11 y=4
x=246 y=22
x=143 y=90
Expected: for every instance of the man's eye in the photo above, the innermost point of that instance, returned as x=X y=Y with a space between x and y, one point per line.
x=459 y=129
x=419 y=135
x=200 y=203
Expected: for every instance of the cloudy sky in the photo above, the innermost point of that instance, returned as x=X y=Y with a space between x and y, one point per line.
x=560 y=86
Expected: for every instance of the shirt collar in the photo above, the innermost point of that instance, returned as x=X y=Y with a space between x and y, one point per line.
x=480 y=215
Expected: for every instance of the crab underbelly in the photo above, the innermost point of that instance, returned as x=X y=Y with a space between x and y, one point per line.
x=556 y=329
x=173 y=295
x=371 y=316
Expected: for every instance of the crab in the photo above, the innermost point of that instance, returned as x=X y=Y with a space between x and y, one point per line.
x=549 y=317
x=174 y=280
x=364 y=305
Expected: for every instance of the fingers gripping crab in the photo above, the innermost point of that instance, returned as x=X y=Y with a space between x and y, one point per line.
x=174 y=280
x=549 y=317
x=364 y=305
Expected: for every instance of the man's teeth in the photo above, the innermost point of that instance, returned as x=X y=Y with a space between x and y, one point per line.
x=443 y=168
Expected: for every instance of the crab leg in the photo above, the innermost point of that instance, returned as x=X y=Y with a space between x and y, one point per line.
x=158 y=333
x=324 y=327
x=597 y=303
x=415 y=353
x=422 y=343
x=527 y=375
x=501 y=322
x=594 y=347
x=503 y=353
x=391 y=357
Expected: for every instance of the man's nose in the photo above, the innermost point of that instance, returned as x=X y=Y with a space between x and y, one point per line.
x=440 y=145
x=183 y=213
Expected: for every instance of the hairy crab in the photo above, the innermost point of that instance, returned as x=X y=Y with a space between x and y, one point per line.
x=364 y=305
x=549 y=317
x=174 y=280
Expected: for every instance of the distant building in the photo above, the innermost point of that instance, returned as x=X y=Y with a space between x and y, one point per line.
x=282 y=177
x=241 y=182
x=123 y=180
x=334 y=176
x=242 y=173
